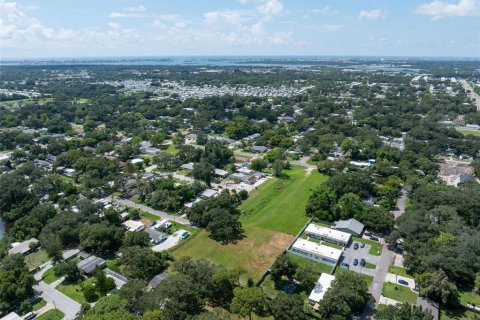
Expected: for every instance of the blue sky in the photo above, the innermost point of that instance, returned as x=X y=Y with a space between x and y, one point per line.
x=53 y=28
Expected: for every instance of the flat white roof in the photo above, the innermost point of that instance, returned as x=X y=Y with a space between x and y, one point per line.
x=323 y=284
x=321 y=250
x=328 y=233
x=133 y=225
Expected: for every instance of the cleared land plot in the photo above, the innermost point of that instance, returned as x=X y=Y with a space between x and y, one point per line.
x=399 y=293
x=36 y=259
x=53 y=314
x=272 y=215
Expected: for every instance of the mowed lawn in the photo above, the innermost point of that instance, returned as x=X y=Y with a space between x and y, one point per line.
x=272 y=215
x=466 y=132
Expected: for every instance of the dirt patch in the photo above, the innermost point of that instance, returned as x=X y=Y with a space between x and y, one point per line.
x=264 y=255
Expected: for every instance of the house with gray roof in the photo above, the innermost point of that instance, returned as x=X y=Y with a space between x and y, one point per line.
x=352 y=226
x=90 y=264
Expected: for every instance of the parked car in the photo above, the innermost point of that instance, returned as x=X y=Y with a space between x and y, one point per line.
x=355 y=246
x=362 y=245
x=401 y=281
x=185 y=235
x=30 y=315
x=374 y=238
x=355 y=262
x=362 y=262
x=345 y=265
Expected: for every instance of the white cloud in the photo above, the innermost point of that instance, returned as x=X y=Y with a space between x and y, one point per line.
x=438 y=9
x=124 y=15
x=332 y=27
x=228 y=16
x=372 y=15
x=139 y=8
x=271 y=8
x=113 y=25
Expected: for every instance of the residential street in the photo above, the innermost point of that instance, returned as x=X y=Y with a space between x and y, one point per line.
x=63 y=303
x=303 y=163
x=158 y=213
x=473 y=95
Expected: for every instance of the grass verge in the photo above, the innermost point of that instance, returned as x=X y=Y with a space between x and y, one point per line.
x=399 y=293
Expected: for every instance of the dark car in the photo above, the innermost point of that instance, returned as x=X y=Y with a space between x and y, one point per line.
x=355 y=262
x=362 y=262
x=362 y=245
x=355 y=246
x=30 y=316
x=401 y=281
x=374 y=238
x=345 y=265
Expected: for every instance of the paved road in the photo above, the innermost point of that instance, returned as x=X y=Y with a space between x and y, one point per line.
x=68 y=306
x=473 y=95
x=158 y=213
x=385 y=260
x=182 y=177
x=401 y=203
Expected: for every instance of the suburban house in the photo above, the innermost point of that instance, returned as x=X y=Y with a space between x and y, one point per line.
x=132 y=225
x=90 y=264
x=259 y=149
x=119 y=279
x=221 y=173
x=156 y=280
x=12 y=316
x=321 y=287
x=24 y=247
x=208 y=193
x=352 y=226
x=316 y=252
x=155 y=236
x=327 y=234
x=187 y=166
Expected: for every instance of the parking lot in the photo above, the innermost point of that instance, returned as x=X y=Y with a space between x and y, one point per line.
x=351 y=254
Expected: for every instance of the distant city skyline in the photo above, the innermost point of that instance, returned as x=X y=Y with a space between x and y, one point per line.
x=434 y=28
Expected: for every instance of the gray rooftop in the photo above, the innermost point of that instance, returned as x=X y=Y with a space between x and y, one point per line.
x=90 y=264
x=350 y=224
x=157 y=279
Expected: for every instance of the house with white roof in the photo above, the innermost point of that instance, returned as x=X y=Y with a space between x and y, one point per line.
x=328 y=234
x=321 y=287
x=316 y=252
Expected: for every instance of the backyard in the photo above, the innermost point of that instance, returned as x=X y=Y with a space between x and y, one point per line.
x=272 y=215
x=399 y=293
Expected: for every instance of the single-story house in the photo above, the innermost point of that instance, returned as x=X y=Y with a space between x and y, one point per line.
x=155 y=236
x=321 y=287
x=328 y=234
x=119 y=279
x=12 y=316
x=187 y=166
x=316 y=252
x=24 y=247
x=208 y=193
x=132 y=225
x=221 y=173
x=136 y=160
x=69 y=172
x=131 y=183
x=90 y=264
x=259 y=149
x=157 y=279
x=352 y=226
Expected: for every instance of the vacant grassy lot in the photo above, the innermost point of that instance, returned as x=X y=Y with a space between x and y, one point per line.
x=467 y=132
x=36 y=259
x=279 y=204
x=49 y=276
x=399 y=271
x=399 y=293
x=271 y=216
x=52 y=315
x=469 y=297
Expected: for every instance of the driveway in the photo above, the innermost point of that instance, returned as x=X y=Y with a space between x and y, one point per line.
x=401 y=202
x=158 y=213
x=393 y=278
x=54 y=297
x=170 y=242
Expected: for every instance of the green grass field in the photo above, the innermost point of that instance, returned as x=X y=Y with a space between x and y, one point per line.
x=271 y=216
x=49 y=276
x=458 y=314
x=369 y=265
x=399 y=293
x=469 y=297
x=467 y=132
x=316 y=267
x=38 y=305
x=53 y=314
x=36 y=259
x=400 y=271
x=75 y=290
